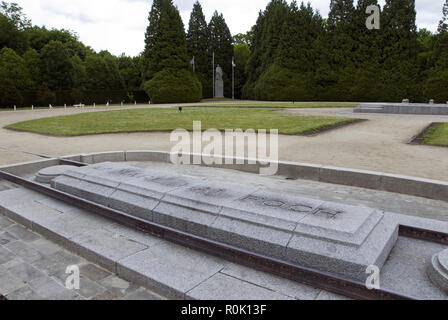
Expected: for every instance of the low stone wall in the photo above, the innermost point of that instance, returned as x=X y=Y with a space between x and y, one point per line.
x=420 y=187
x=403 y=108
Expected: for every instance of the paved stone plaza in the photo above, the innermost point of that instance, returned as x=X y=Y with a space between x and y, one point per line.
x=33 y=268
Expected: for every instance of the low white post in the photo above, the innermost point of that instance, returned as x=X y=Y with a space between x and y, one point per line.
x=32 y=107
x=121 y=103
x=65 y=105
x=15 y=108
x=94 y=105
x=135 y=102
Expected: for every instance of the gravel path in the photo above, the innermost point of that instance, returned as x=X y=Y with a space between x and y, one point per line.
x=379 y=144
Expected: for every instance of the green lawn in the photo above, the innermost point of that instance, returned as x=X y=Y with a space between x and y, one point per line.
x=282 y=105
x=437 y=135
x=139 y=120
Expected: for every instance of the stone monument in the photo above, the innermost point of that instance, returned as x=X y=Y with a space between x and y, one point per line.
x=219 y=83
x=330 y=237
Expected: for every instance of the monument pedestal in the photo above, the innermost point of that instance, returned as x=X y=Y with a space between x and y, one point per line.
x=338 y=239
x=219 y=89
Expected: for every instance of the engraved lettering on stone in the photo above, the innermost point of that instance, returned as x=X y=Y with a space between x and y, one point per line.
x=302 y=208
x=273 y=203
x=327 y=213
x=207 y=191
x=127 y=172
x=168 y=182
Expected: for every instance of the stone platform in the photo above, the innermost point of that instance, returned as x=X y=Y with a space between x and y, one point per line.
x=331 y=237
x=403 y=108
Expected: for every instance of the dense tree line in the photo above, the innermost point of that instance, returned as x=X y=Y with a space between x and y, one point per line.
x=291 y=53
x=41 y=67
x=298 y=55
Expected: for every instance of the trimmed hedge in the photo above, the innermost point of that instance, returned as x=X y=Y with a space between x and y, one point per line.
x=170 y=86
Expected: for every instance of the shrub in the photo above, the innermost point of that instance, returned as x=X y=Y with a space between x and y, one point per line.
x=169 y=86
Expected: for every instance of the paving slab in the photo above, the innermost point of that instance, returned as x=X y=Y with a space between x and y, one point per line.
x=24 y=293
x=89 y=289
x=224 y=287
x=104 y=247
x=49 y=288
x=45 y=247
x=169 y=269
x=133 y=235
x=25 y=272
x=20 y=195
x=51 y=265
x=261 y=279
x=5 y=222
x=69 y=225
x=94 y=272
x=24 y=251
x=22 y=233
x=142 y=294
x=118 y=286
x=328 y=296
x=6 y=238
x=9 y=283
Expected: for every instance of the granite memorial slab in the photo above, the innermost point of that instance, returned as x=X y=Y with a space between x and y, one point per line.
x=331 y=237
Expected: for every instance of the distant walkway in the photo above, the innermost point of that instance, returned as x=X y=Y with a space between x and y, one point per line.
x=379 y=144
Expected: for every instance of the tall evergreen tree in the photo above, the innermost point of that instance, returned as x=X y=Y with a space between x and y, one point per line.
x=437 y=81
x=443 y=24
x=291 y=74
x=242 y=54
x=341 y=46
x=399 y=50
x=265 y=43
x=341 y=13
x=197 y=45
x=367 y=84
x=165 y=39
x=151 y=37
x=220 y=43
x=166 y=58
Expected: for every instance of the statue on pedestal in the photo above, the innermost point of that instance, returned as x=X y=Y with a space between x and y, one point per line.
x=219 y=83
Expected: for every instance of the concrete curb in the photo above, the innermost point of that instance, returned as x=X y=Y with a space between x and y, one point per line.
x=420 y=187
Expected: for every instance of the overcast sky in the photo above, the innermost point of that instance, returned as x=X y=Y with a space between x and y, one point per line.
x=119 y=25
